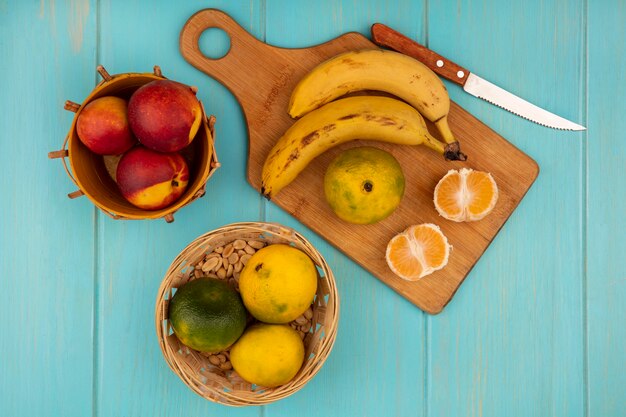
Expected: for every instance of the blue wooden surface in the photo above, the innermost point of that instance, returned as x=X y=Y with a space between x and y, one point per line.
x=537 y=328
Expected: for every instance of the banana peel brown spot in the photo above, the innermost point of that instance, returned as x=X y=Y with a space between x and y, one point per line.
x=353 y=64
x=386 y=121
x=382 y=120
x=306 y=140
x=348 y=117
x=292 y=157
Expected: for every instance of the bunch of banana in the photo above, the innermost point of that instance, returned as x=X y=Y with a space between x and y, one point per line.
x=380 y=70
x=325 y=123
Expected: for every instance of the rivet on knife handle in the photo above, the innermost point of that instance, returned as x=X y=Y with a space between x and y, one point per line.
x=385 y=36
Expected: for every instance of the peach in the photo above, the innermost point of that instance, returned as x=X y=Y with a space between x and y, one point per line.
x=164 y=115
x=102 y=126
x=152 y=180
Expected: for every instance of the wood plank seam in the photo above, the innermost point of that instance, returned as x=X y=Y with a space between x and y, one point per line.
x=584 y=87
x=96 y=365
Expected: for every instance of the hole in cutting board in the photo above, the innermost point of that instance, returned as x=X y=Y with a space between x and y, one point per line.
x=214 y=43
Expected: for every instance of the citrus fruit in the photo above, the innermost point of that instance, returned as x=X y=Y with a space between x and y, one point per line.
x=268 y=354
x=465 y=195
x=207 y=315
x=278 y=283
x=418 y=251
x=364 y=185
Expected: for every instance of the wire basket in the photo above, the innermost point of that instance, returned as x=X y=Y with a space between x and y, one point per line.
x=226 y=386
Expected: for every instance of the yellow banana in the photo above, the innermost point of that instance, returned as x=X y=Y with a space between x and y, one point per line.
x=364 y=117
x=375 y=69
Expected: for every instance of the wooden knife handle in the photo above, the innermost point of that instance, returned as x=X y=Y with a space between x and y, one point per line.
x=385 y=36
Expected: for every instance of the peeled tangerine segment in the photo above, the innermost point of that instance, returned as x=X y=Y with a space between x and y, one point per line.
x=418 y=251
x=465 y=195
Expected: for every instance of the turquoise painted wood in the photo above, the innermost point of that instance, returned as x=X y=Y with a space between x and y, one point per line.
x=47 y=243
x=513 y=337
x=605 y=225
x=536 y=329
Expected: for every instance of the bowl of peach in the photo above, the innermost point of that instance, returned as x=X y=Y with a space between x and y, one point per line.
x=140 y=146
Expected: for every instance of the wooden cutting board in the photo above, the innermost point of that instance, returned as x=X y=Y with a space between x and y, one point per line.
x=262 y=77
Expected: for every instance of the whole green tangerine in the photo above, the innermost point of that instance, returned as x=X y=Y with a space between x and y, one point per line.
x=364 y=185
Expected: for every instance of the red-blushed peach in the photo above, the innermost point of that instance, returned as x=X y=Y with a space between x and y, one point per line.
x=164 y=115
x=152 y=180
x=102 y=126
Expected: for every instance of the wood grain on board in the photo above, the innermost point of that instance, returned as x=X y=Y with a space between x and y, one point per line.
x=262 y=77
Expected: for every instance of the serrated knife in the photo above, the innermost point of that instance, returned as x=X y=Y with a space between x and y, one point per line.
x=478 y=87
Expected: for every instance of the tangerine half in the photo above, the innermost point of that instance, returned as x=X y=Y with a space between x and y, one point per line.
x=465 y=195
x=418 y=251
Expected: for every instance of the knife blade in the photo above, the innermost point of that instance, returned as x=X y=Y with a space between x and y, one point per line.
x=478 y=87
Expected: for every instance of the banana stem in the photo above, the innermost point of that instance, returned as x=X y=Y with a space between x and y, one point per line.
x=444 y=130
x=453 y=152
x=434 y=144
x=450 y=151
